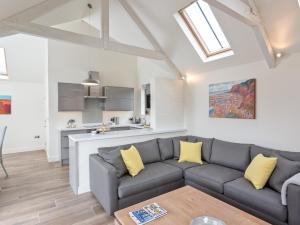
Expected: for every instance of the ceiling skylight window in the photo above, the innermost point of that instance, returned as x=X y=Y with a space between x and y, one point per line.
x=203 y=30
x=3 y=67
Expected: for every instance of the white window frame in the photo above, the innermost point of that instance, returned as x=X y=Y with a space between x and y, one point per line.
x=4 y=76
x=196 y=40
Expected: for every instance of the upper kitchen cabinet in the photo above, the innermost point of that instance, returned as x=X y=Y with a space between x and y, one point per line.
x=70 y=97
x=118 y=98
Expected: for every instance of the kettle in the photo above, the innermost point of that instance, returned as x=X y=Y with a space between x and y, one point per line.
x=71 y=123
x=115 y=120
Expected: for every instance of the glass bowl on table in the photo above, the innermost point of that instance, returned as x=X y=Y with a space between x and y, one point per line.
x=206 y=220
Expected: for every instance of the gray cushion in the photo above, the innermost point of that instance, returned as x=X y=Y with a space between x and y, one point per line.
x=183 y=165
x=212 y=176
x=266 y=200
x=255 y=150
x=233 y=155
x=166 y=148
x=149 y=151
x=176 y=144
x=284 y=170
x=154 y=175
x=113 y=157
x=206 y=146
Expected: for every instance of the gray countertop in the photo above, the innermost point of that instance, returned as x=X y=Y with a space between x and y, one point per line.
x=95 y=126
x=120 y=134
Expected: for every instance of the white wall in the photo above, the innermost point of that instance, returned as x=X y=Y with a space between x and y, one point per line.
x=149 y=69
x=71 y=63
x=277 y=124
x=167 y=102
x=26 y=61
x=157 y=73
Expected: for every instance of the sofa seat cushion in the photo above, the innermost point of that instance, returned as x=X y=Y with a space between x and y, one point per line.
x=183 y=165
x=265 y=200
x=154 y=175
x=212 y=176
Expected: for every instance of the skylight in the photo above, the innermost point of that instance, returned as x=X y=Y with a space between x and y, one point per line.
x=199 y=23
x=3 y=68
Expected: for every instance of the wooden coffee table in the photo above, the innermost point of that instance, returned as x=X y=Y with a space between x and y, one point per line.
x=187 y=203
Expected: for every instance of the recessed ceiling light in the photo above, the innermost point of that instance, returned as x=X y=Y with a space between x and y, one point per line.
x=279 y=54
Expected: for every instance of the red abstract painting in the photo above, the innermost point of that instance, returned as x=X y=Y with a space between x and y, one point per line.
x=5 y=104
x=233 y=100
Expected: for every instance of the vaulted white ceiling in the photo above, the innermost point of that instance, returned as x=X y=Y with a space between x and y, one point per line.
x=281 y=19
x=10 y=7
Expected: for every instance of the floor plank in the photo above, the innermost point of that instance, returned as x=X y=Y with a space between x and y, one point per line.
x=38 y=193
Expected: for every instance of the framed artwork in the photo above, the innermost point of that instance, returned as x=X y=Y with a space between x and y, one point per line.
x=235 y=99
x=5 y=104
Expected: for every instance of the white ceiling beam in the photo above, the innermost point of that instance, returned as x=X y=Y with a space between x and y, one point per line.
x=237 y=9
x=132 y=50
x=265 y=45
x=53 y=33
x=148 y=34
x=22 y=23
x=250 y=16
x=37 y=10
x=105 y=22
x=57 y=34
x=263 y=39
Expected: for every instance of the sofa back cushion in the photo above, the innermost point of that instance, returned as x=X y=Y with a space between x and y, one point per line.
x=176 y=145
x=288 y=164
x=255 y=150
x=284 y=170
x=229 y=154
x=112 y=155
x=166 y=148
x=206 y=146
x=149 y=151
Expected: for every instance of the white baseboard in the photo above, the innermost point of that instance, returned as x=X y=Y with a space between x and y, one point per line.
x=23 y=149
x=53 y=159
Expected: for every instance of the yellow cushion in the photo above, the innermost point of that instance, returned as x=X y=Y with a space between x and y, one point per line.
x=132 y=160
x=190 y=152
x=260 y=170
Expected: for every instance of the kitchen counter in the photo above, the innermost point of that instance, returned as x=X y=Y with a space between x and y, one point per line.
x=84 y=133
x=120 y=134
x=95 y=126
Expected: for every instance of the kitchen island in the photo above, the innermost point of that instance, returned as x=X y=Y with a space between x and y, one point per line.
x=82 y=145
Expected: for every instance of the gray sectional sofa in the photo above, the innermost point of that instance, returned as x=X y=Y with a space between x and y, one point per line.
x=221 y=176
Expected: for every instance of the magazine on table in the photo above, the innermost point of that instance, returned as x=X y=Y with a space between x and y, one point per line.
x=147 y=214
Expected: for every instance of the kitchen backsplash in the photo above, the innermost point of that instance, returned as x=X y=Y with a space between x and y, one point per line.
x=123 y=116
x=93 y=111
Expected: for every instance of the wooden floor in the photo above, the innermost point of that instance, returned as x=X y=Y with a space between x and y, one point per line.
x=38 y=192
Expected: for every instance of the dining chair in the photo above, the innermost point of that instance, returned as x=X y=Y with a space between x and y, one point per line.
x=2 y=134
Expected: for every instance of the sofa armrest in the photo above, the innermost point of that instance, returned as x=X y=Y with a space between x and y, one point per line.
x=293 y=204
x=104 y=183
